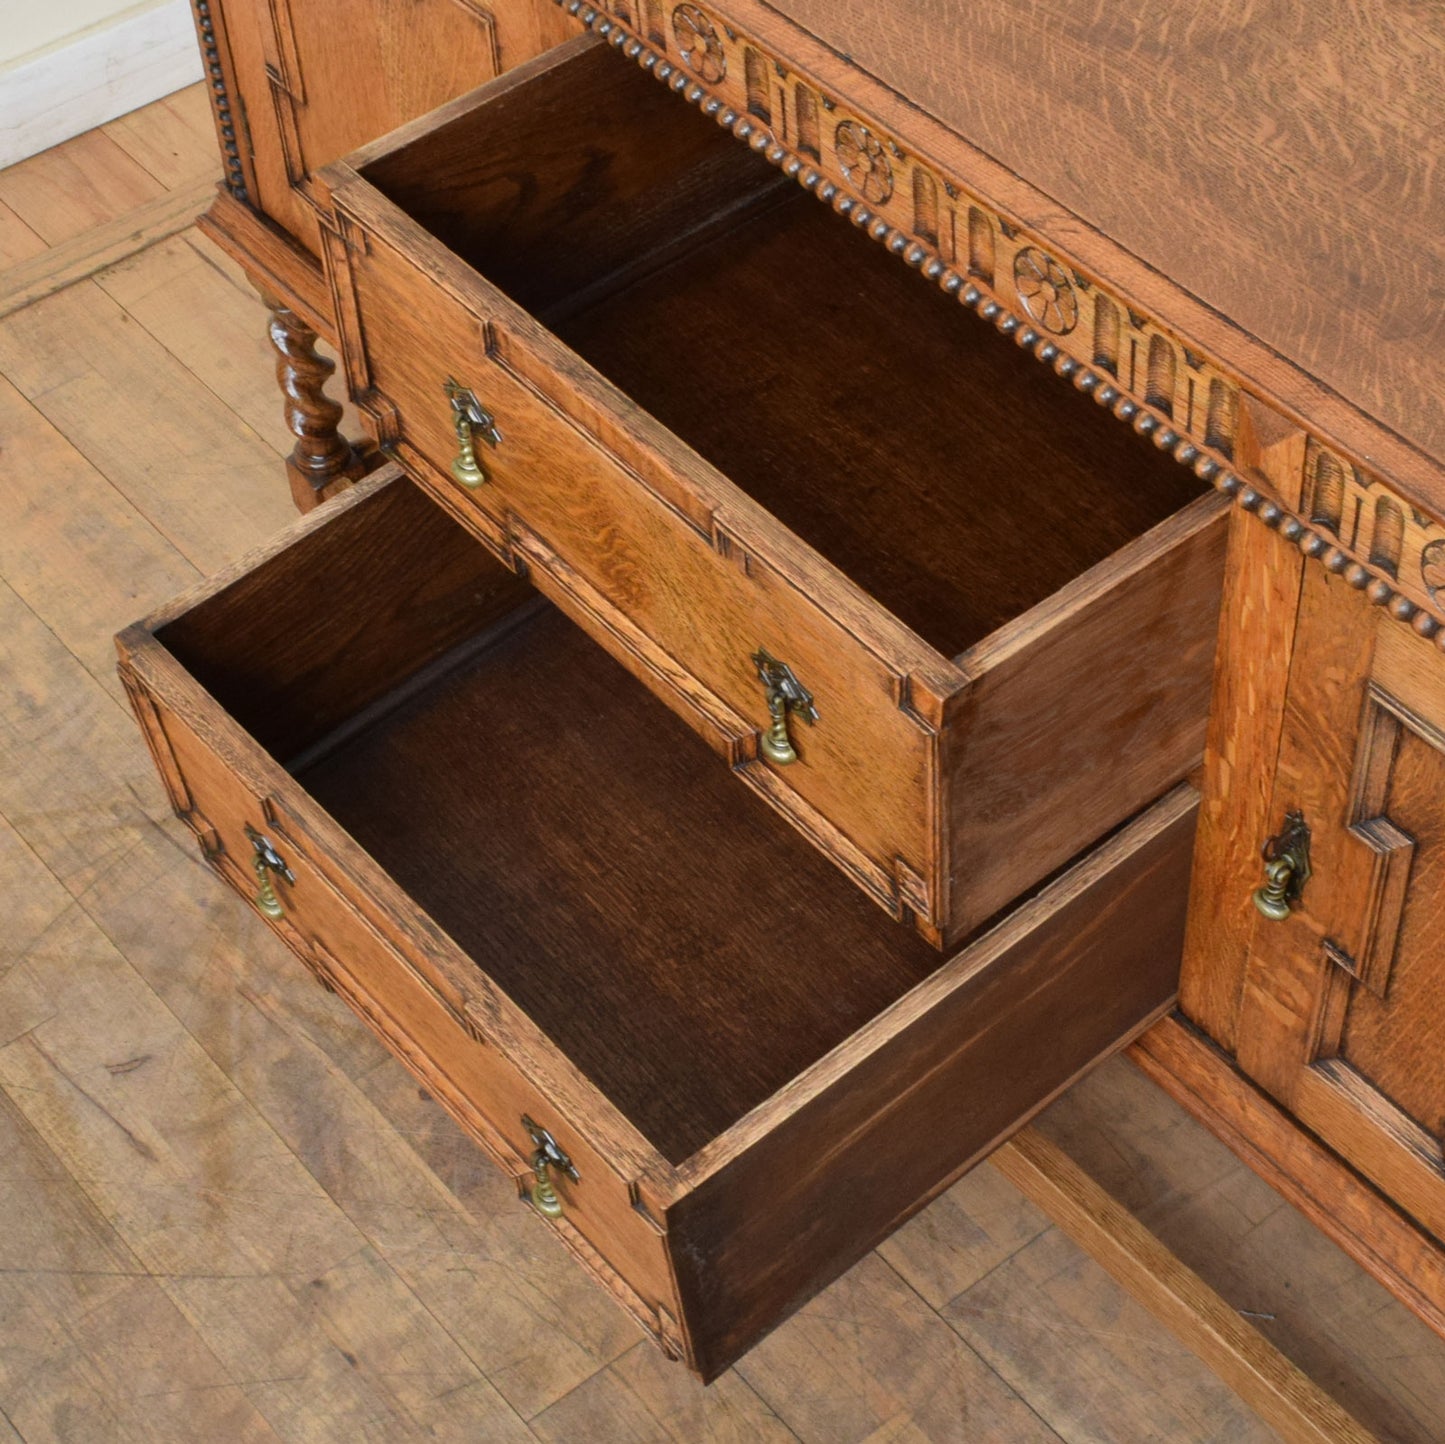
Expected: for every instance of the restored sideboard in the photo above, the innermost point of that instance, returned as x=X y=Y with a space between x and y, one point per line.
x=665 y=328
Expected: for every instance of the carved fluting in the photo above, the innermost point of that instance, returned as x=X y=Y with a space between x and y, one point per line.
x=321 y=455
x=220 y=100
x=1145 y=376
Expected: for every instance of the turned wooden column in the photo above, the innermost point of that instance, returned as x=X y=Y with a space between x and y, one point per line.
x=322 y=461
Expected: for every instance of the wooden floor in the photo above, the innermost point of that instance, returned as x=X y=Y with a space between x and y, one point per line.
x=225 y=1214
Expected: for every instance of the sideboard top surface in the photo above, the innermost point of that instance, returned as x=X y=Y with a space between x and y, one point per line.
x=1279 y=161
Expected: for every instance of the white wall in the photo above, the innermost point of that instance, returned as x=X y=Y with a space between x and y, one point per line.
x=30 y=25
x=69 y=65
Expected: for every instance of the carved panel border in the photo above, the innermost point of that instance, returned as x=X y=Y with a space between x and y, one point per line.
x=288 y=87
x=1383 y=851
x=1070 y=320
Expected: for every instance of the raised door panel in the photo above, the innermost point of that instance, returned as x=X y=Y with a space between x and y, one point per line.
x=1343 y=1010
x=318 y=78
x=409 y=57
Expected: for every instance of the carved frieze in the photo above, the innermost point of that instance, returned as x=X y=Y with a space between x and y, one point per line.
x=1071 y=321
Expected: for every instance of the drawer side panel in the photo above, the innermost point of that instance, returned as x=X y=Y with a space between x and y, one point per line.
x=1072 y=976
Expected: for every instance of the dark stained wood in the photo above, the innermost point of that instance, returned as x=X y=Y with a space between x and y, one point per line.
x=644 y=538
x=298 y=643
x=539 y=890
x=1084 y=966
x=1085 y=708
x=670 y=933
x=322 y=460
x=949 y=476
x=564 y=189
x=957 y=517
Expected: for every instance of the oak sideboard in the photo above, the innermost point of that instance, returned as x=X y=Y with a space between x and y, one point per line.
x=899 y=552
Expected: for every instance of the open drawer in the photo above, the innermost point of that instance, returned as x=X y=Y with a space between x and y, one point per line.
x=717 y=425
x=535 y=884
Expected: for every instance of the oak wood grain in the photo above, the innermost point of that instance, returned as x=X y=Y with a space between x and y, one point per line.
x=1315 y=225
x=1262 y=582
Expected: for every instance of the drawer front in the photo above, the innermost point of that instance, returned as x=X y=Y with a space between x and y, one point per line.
x=614 y=521
x=812 y=1181
x=336 y=932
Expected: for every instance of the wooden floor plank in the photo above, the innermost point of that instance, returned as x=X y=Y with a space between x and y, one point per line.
x=265 y=1266
x=71 y=779
x=257 y=1014
x=492 y=1276
x=17 y=241
x=643 y=1398
x=75 y=186
x=1278 y=1391
x=200 y=475
x=94 y=1348
x=173 y=138
x=1089 y=1359
x=868 y=1352
x=199 y=306
x=966 y=1233
x=1302 y=1293
x=103 y=245
x=79 y=554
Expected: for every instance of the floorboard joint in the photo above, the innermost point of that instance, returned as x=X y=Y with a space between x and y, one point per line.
x=93 y=250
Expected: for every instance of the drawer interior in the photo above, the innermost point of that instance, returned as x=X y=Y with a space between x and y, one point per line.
x=946 y=472
x=672 y=935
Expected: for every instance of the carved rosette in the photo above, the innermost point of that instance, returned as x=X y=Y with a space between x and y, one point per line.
x=698 y=44
x=1045 y=291
x=864 y=162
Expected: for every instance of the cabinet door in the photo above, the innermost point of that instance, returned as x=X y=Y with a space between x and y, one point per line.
x=1342 y=1015
x=318 y=78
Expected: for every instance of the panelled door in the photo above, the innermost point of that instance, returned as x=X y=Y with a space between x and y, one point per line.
x=1343 y=1009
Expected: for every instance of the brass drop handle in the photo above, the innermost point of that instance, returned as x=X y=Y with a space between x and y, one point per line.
x=549 y=1155
x=472 y=420
x=1286 y=868
x=266 y=861
x=786 y=696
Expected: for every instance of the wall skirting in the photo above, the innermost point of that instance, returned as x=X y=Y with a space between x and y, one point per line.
x=102 y=73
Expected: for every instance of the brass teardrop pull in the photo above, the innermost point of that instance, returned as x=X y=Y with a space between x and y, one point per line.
x=1286 y=868
x=549 y=1155
x=472 y=420
x=785 y=696
x=266 y=862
